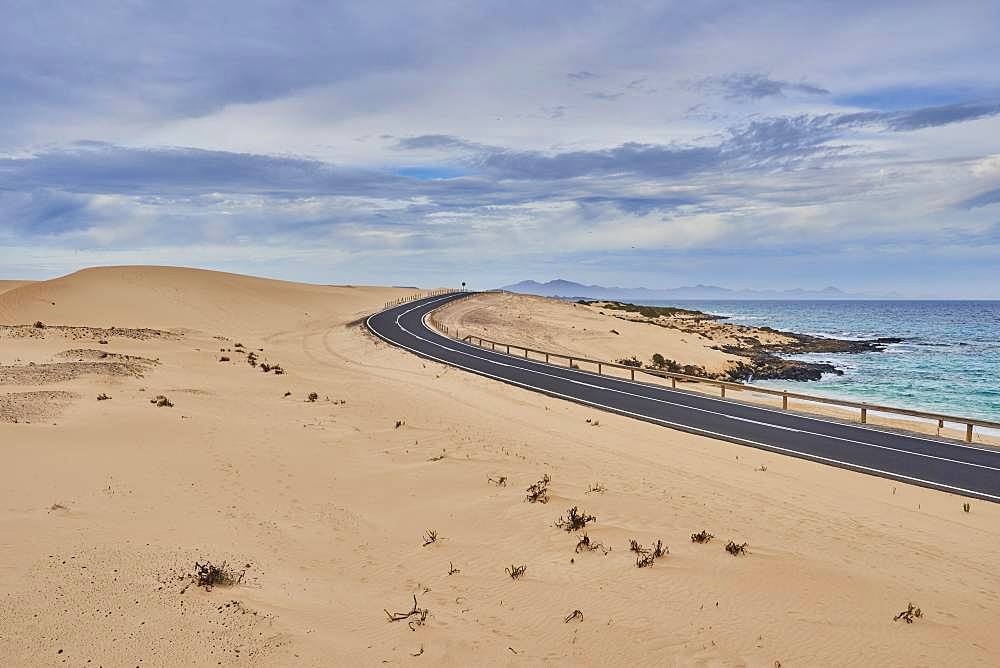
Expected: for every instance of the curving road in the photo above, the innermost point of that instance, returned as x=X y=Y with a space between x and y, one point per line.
x=952 y=467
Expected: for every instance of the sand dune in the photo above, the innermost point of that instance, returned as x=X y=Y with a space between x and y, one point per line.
x=566 y=327
x=6 y=285
x=170 y=297
x=324 y=505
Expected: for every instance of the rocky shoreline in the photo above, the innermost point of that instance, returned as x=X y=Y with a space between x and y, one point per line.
x=760 y=350
x=766 y=362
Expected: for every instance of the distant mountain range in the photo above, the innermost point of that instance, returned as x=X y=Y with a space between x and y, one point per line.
x=569 y=289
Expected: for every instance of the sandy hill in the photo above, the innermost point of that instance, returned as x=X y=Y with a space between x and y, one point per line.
x=320 y=489
x=172 y=297
x=7 y=285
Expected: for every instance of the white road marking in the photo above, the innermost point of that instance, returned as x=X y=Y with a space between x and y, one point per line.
x=729 y=402
x=680 y=426
x=687 y=406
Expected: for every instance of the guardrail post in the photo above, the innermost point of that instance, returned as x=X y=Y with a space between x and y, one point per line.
x=864 y=415
x=546 y=358
x=633 y=373
x=508 y=350
x=673 y=382
x=598 y=368
x=570 y=362
x=723 y=388
x=525 y=353
x=968 y=433
x=784 y=400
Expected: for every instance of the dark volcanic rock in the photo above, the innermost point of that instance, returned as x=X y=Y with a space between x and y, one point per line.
x=765 y=363
x=814 y=344
x=772 y=367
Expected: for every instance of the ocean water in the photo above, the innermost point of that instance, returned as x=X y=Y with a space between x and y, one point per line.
x=949 y=361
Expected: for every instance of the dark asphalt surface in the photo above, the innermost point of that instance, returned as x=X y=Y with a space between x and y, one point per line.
x=966 y=470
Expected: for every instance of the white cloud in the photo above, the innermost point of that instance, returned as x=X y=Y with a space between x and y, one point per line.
x=574 y=128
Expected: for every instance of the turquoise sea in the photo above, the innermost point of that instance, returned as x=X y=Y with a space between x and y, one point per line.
x=949 y=361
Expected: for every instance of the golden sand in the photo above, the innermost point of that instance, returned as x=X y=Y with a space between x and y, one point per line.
x=324 y=505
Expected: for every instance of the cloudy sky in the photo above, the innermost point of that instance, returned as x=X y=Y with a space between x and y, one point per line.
x=750 y=145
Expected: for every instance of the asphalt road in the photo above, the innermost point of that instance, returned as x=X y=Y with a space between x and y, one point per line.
x=949 y=466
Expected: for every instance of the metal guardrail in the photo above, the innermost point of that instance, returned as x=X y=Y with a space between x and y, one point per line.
x=723 y=385
x=422 y=294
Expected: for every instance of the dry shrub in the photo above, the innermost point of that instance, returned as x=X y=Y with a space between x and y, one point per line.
x=659 y=550
x=538 y=492
x=515 y=572
x=736 y=549
x=208 y=575
x=645 y=556
x=585 y=544
x=644 y=560
x=574 y=520
x=909 y=615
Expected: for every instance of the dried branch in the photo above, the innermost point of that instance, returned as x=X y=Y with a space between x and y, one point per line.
x=418 y=612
